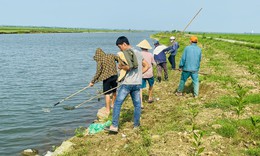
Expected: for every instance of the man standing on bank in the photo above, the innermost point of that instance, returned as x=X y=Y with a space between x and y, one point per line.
x=173 y=51
x=160 y=59
x=190 y=65
x=131 y=83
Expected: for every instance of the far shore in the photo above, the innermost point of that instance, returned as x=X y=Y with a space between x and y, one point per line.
x=39 y=30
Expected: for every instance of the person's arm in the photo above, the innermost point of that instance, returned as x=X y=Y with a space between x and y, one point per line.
x=175 y=46
x=182 y=61
x=98 y=73
x=145 y=66
x=123 y=66
x=199 y=58
x=152 y=60
x=117 y=58
x=172 y=49
x=167 y=50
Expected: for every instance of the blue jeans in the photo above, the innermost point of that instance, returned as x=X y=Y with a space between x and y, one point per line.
x=123 y=91
x=195 y=81
x=171 y=59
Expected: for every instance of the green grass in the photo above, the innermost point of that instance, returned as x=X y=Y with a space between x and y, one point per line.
x=242 y=129
x=251 y=99
x=135 y=148
x=253 y=38
x=244 y=56
x=253 y=152
x=228 y=129
x=224 y=102
x=223 y=80
x=228 y=101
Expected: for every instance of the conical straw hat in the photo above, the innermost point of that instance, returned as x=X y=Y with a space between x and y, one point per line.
x=122 y=72
x=144 y=44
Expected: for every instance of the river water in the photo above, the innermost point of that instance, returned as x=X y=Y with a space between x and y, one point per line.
x=37 y=71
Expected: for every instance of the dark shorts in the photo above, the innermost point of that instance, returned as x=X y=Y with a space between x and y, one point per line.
x=109 y=84
x=150 y=82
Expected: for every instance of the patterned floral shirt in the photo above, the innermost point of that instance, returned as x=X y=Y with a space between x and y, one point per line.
x=106 y=65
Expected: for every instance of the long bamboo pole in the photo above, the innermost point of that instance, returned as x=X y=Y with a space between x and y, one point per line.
x=191 y=20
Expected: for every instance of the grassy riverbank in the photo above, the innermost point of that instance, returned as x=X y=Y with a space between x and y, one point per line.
x=31 y=30
x=224 y=120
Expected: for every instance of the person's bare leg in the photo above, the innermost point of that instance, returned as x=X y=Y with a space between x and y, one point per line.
x=113 y=99
x=150 y=92
x=107 y=99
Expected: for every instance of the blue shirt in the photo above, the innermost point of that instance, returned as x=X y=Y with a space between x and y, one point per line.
x=191 y=57
x=172 y=49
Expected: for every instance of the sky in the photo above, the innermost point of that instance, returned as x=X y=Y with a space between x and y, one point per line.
x=227 y=16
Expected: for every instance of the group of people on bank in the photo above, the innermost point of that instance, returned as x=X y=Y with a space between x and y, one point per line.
x=136 y=68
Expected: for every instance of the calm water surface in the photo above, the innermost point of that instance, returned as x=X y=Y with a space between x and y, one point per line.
x=37 y=71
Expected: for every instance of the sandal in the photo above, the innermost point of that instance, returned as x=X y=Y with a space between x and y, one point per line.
x=179 y=94
x=111 y=129
x=150 y=101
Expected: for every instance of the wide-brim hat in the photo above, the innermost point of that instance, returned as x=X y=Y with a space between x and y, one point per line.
x=144 y=44
x=122 y=72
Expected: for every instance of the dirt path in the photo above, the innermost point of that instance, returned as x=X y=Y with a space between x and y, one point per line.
x=234 y=41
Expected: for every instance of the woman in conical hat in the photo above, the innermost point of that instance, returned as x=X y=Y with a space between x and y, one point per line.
x=148 y=75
